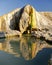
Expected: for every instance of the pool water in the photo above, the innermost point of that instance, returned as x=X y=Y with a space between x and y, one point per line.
x=24 y=51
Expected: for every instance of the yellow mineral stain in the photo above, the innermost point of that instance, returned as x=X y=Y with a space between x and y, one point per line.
x=34 y=47
x=1 y=46
x=33 y=19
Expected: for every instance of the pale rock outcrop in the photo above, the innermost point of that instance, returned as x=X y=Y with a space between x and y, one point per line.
x=47 y=15
x=44 y=27
x=26 y=18
x=7 y=25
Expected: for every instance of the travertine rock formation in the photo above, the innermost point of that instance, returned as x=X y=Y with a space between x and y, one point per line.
x=27 y=18
x=47 y=14
x=44 y=27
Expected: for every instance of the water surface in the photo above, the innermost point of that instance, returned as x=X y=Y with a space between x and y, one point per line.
x=24 y=51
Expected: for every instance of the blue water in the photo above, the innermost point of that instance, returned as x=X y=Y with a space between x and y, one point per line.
x=24 y=51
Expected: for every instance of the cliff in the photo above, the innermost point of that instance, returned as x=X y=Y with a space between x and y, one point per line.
x=39 y=24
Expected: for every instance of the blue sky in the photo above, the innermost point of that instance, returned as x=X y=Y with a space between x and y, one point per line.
x=9 y=5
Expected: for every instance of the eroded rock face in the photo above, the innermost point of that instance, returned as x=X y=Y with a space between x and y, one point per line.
x=44 y=27
x=22 y=19
x=47 y=14
x=27 y=18
x=8 y=24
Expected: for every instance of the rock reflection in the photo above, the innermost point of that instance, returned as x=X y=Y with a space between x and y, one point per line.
x=25 y=47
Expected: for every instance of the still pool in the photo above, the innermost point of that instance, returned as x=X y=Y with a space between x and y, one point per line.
x=24 y=51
